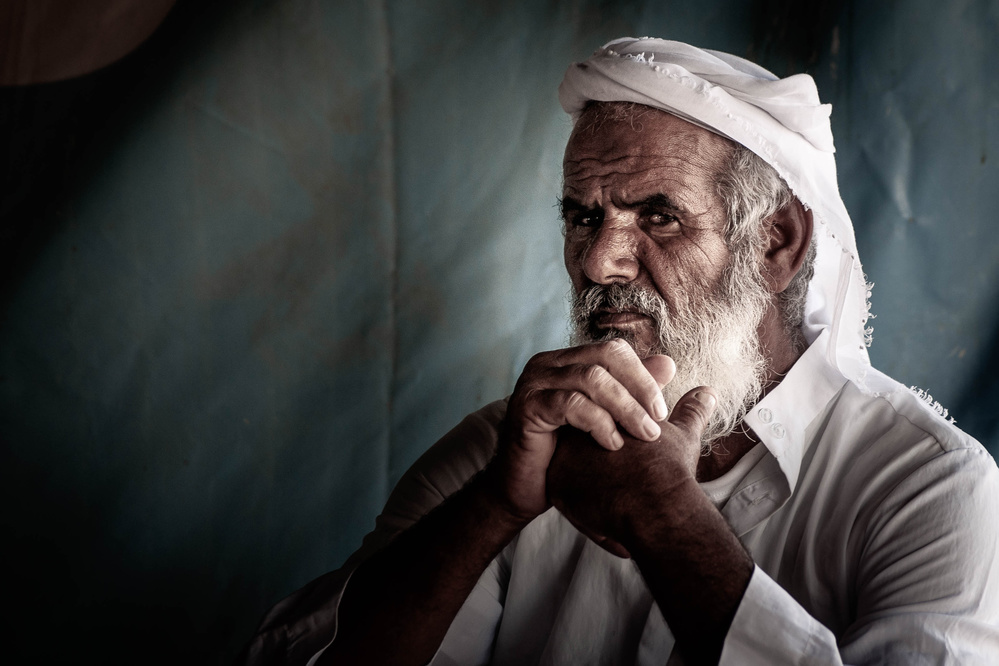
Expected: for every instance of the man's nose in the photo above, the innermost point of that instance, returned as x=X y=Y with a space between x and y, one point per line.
x=612 y=256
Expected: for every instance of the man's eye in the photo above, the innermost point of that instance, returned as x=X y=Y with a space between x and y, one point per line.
x=660 y=219
x=584 y=220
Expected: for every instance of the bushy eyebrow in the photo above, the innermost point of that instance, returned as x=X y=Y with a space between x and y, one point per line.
x=568 y=205
x=658 y=201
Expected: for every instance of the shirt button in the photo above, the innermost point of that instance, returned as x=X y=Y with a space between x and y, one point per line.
x=765 y=415
x=778 y=430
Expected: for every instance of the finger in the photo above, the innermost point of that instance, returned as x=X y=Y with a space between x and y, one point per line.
x=621 y=361
x=604 y=390
x=693 y=410
x=663 y=369
x=553 y=408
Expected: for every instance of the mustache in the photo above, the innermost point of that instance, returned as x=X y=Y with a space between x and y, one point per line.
x=618 y=296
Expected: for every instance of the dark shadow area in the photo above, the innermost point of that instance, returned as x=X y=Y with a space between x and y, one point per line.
x=976 y=411
x=51 y=132
x=789 y=36
x=55 y=610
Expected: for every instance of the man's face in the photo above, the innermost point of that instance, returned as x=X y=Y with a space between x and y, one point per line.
x=646 y=250
x=641 y=206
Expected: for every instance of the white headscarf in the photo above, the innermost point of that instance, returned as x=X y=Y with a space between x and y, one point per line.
x=782 y=121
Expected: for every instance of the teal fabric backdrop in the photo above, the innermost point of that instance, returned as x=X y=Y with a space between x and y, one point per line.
x=254 y=269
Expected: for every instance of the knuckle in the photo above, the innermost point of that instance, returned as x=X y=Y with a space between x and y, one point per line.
x=522 y=401
x=574 y=401
x=541 y=359
x=531 y=394
x=617 y=346
x=594 y=374
x=537 y=374
x=695 y=414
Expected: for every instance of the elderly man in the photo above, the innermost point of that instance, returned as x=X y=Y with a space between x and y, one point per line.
x=792 y=505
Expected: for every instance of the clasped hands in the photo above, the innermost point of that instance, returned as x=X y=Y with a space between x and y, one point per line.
x=587 y=431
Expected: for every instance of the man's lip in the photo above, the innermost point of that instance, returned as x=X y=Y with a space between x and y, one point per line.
x=620 y=319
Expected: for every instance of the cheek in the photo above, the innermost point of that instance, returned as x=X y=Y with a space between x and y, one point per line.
x=573 y=252
x=683 y=269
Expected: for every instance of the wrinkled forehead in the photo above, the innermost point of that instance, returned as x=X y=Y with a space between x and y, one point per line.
x=632 y=137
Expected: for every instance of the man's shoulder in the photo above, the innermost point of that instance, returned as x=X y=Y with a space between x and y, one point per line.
x=878 y=426
x=881 y=404
x=846 y=422
x=882 y=464
x=463 y=451
x=446 y=466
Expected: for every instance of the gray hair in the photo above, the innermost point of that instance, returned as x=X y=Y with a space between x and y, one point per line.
x=752 y=191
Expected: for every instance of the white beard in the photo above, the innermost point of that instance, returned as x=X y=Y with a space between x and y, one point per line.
x=714 y=344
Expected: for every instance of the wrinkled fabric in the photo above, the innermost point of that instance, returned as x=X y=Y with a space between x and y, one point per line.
x=870 y=519
x=296 y=630
x=783 y=122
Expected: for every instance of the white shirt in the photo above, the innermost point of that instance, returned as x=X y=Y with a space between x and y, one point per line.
x=872 y=522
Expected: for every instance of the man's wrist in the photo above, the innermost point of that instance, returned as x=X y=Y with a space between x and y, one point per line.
x=493 y=488
x=656 y=515
x=695 y=567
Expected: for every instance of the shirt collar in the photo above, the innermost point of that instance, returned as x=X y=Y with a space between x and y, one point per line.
x=779 y=420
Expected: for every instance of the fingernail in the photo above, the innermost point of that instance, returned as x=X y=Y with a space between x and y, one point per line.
x=659 y=410
x=706 y=399
x=651 y=428
x=617 y=440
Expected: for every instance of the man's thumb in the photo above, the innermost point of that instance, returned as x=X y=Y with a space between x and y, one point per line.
x=693 y=410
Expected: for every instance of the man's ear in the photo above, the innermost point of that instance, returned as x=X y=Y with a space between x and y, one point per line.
x=790 y=233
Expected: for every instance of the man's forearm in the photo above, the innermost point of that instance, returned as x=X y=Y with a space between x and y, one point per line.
x=695 y=567
x=399 y=604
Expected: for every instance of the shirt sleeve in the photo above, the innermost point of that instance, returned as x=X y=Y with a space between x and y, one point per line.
x=299 y=628
x=470 y=638
x=927 y=589
x=770 y=627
